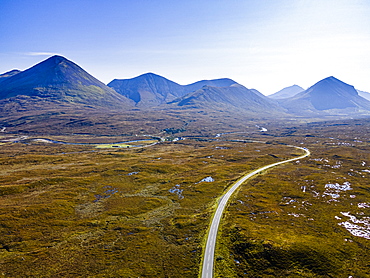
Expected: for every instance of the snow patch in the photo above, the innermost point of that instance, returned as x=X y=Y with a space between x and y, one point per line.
x=344 y=187
x=363 y=205
x=207 y=179
x=333 y=189
x=357 y=227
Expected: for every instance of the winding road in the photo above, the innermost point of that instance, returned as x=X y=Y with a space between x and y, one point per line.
x=208 y=256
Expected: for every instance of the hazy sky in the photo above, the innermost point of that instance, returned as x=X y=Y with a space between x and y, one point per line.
x=262 y=44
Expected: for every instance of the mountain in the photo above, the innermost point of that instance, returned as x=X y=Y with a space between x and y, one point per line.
x=8 y=74
x=364 y=94
x=57 y=80
x=328 y=96
x=222 y=82
x=229 y=98
x=148 y=89
x=287 y=92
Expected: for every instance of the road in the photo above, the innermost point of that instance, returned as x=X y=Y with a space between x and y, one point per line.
x=208 y=260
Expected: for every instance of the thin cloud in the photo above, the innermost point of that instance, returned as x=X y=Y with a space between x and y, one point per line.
x=41 y=53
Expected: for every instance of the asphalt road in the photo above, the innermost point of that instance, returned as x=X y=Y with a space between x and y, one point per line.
x=207 y=268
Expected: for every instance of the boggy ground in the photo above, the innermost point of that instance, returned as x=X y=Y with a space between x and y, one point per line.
x=305 y=219
x=78 y=211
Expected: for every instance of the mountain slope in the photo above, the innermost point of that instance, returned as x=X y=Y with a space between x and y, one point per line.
x=329 y=95
x=287 y=92
x=234 y=97
x=148 y=89
x=364 y=94
x=59 y=80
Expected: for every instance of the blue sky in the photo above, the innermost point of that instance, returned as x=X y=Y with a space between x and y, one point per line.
x=262 y=44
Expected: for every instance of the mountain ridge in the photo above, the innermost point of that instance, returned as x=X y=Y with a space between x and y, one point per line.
x=149 y=89
x=220 y=82
x=234 y=97
x=8 y=74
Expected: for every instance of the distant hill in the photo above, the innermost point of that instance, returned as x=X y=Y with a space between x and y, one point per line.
x=287 y=92
x=328 y=96
x=8 y=74
x=234 y=97
x=149 y=89
x=58 y=81
x=364 y=94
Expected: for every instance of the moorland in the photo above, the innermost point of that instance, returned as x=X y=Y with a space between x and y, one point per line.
x=82 y=211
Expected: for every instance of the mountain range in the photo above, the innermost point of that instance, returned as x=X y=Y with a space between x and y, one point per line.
x=150 y=89
x=58 y=83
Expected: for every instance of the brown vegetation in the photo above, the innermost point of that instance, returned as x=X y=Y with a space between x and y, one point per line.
x=78 y=211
